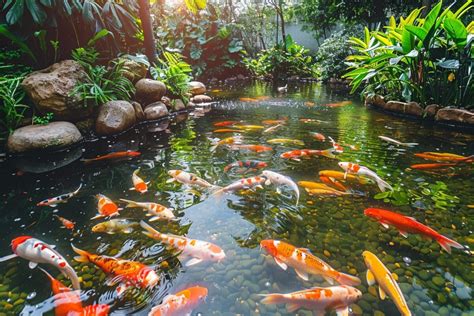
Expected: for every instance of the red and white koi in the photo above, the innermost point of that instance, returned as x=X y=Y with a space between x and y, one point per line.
x=181 y=303
x=156 y=210
x=187 y=178
x=63 y=198
x=352 y=168
x=318 y=136
x=106 y=207
x=338 y=149
x=37 y=251
x=198 y=250
x=247 y=165
x=281 y=180
x=247 y=183
x=66 y=223
x=319 y=300
x=306 y=153
x=138 y=184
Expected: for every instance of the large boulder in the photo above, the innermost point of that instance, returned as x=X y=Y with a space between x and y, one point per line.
x=52 y=136
x=196 y=87
x=149 y=91
x=410 y=108
x=115 y=117
x=155 y=111
x=201 y=98
x=50 y=90
x=133 y=70
x=455 y=115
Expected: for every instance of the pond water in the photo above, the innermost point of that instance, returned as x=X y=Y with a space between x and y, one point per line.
x=333 y=228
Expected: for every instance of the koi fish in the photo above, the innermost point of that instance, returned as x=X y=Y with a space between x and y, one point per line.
x=187 y=178
x=343 y=176
x=226 y=141
x=262 y=98
x=96 y=310
x=350 y=167
x=271 y=129
x=318 y=136
x=255 y=148
x=444 y=157
x=304 y=262
x=333 y=182
x=309 y=103
x=198 y=250
x=127 y=272
x=36 y=251
x=339 y=104
x=336 y=147
x=250 y=127
x=330 y=191
x=248 y=100
x=306 y=121
x=425 y=166
x=118 y=225
x=225 y=123
x=247 y=183
x=247 y=165
x=396 y=142
x=115 y=155
x=377 y=272
x=302 y=153
x=314 y=185
x=138 y=184
x=106 y=207
x=318 y=299
x=66 y=223
x=227 y=130
x=63 y=198
x=286 y=141
x=281 y=180
x=156 y=210
x=274 y=122
x=406 y=224
x=181 y=303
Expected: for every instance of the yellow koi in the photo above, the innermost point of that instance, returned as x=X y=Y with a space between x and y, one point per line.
x=286 y=141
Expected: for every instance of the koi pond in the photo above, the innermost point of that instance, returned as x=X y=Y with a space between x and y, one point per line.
x=329 y=219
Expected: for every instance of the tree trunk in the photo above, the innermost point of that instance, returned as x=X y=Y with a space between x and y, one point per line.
x=149 y=40
x=277 y=28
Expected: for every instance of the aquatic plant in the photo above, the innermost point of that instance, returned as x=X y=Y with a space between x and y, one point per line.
x=12 y=108
x=429 y=60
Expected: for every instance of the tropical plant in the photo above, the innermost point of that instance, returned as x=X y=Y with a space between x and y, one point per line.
x=429 y=60
x=12 y=108
x=331 y=56
x=282 y=61
x=42 y=120
x=174 y=72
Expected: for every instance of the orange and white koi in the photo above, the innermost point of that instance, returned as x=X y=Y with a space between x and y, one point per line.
x=255 y=148
x=127 y=272
x=156 y=210
x=226 y=141
x=138 y=184
x=115 y=155
x=247 y=165
x=304 y=262
x=36 y=251
x=339 y=104
x=66 y=223
x=247 y=183
x=319 y=300
x=333 y=182
x=106 y=207
x=281 y=180
x=304 y=153
x=63 y=198
x=318 y=136
x=198 y=250
x=377 y=272
x=181 y=303
x=187 y=178
x=286 y=141
x=336 y=147
x=274 y=122
x=396 y=142
x=343 y=176
x=307 y=121
x=352 y=168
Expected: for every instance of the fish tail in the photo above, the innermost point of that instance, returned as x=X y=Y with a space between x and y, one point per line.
x=327 y=153
x=447 y=243
x=347 y=279
x=383 y=185
x=77 y=190
x=83 y=255
x=71 y=274
x=213 y=147
x=47 y=274
x=149 y=231
x=363 y=180
x=410 y=144
x=130 y=203
x=273 y=299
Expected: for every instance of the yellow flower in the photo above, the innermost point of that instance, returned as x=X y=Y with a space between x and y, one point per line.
x=451 y=77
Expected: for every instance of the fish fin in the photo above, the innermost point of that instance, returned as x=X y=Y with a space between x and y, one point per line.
x=121 y=288
x=127 y=230
x=32 y=264
x=385 y=225
x=274 y=298
x=370 y=278
x=268 y=182
x=296 y=159
x=213 y=148
x=447 y=243
x=110 y=232
x=130 y=203
x=328 y=153
x=383 y=185
x=170 y=180
x=168 y=297
x=97 y=216
x=403 y=233
x=77 y=190
x=348 y=279
x=148 y=214
x=281 y=264
x=148 y=182
x=278 y=190
x=292 y=307
x=8 y=257
x=150 y=231
x=193 y=261
x=83 y=255
x=410 y=144
x=154 y=218
x=259 y=187
x=52 y=205
x=328 y=280
x=382 y=293
x=306 y=250
x=342 y=311
x=131 y=189
x=303 y=275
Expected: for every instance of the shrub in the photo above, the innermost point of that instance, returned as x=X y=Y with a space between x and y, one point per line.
x=12 y=108
x=331 y=56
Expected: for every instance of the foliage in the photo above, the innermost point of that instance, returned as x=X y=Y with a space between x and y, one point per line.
x=43 y=120
x=331 y=56
x=12 y=108
x=279 y=62
x=102 y=84
x=206 y=41
x=9 y=66
x=174 y=73
x=429 y=60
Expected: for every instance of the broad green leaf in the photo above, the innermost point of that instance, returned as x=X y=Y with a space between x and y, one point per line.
x=37 y=12
x=15 y=13
x=456 y=31
x=432 y=16
x=99 y=35
x=407 y=41
x=417 y=31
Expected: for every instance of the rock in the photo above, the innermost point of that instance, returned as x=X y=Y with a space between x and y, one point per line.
x=149 y=91
x=139 y=114
x=410 y=108
x=201 y=98
x=50 y=90
x=431 y=110
x=196 y=87
x=115 y=117
x=52 y=136
x=133 y=70
x=178 y=105
x=166 y=101
x=375 y=100
x=155 y=111
x=455 y=115
x=191 y=104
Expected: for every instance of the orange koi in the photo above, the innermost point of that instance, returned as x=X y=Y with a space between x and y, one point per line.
x=334 y=182
x=318 y=136
x=444 y=157
x=297 y=154
x=339 y=104
x=181 y=303
x=255 y=148
x=425 y=166
x=66 y=223
x=248 y=100
x=138 y=184
x=274 y=122
x=115 y=155
x=227 y=130
x=343 y=176
x=262 y=98
x=225 y=123
x=309 y=103
x=106 y=207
